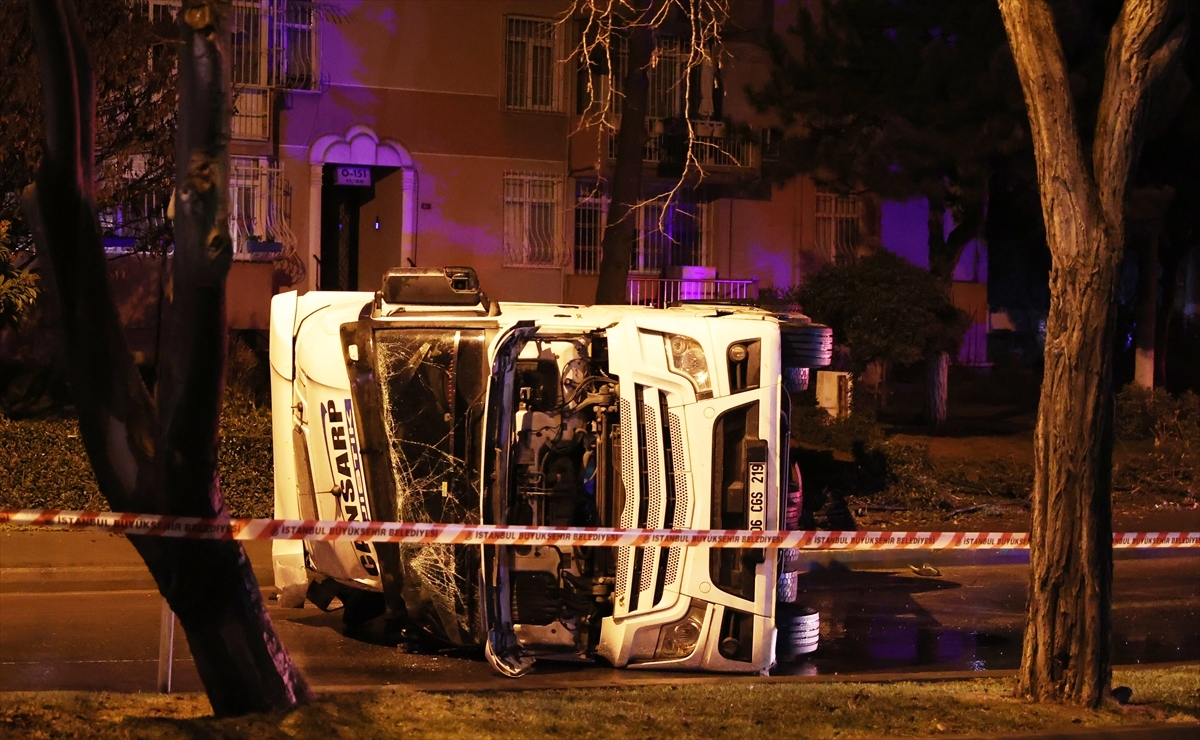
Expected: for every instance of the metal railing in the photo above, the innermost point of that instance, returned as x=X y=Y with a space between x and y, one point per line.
x=668 y=142
x=251 y=113
x=533 y=70
x=839 y=226
x=274 y=46
x=659 y=292
x=532 y=219
x=260 y=201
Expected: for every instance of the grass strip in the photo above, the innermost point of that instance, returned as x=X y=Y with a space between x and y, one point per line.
x=735 y=710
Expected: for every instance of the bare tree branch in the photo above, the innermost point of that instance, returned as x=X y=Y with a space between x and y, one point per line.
x=1141 y=47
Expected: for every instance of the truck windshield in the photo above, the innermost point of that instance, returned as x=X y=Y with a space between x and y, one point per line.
x=433 y=382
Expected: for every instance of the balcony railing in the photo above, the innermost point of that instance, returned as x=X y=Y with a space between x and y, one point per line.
x=659 y=292
x=710 y=145
x=274 y=45
x=251 y=113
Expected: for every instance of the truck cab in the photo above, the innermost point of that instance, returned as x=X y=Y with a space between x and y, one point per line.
x=426 y=402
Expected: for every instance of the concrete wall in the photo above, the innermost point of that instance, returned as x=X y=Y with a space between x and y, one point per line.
x=770 y=239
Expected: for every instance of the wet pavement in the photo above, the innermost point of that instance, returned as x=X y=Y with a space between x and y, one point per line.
x=95 y=627
x=971 y=618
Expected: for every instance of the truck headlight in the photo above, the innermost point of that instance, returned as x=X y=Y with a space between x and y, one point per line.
x=686 y=357
x=678 y=639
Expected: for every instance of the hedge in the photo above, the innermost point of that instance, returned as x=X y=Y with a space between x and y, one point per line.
x=43 y=464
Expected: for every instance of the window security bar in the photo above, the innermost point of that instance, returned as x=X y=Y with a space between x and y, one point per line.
x=680 y=237
x=251 y=119
x=532 y=219
x=533 y=76
x=838 y=226
x=274 y=45
x=260 y=212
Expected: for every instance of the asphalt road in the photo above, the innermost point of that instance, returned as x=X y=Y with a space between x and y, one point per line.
x=66 y=626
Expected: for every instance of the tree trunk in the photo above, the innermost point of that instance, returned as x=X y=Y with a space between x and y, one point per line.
x=1066 y=654
x=159 y=455
x=1067 y=648
x=882 y=403
x=937 y=385
x=1145 y=209
x=944 y=254
x=620 y=229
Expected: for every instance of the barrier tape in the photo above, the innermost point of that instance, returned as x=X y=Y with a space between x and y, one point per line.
x=463 y=534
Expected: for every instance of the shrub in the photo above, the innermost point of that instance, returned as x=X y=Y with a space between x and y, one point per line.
x=246 y=462
x=1172 y=468
x=1153 y=413
x=813 y=426
x=884 y=309
x=44 y=464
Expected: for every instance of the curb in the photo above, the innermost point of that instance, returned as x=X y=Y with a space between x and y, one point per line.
x=1160 y=731
x=534 y=682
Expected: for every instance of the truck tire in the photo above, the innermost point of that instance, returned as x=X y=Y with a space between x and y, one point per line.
x=805 y=345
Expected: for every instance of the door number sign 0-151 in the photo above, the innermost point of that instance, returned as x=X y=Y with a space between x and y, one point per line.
x=357 y=176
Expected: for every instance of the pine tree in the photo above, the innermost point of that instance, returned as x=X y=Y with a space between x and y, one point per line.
x=905 y=100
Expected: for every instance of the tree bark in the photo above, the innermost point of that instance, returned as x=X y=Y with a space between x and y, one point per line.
x=159 y=455
x=620 y=229
x=1145 y=209
x=938 y=386
x=1066 y=654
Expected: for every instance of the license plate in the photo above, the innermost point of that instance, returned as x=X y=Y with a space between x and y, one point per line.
x=758 y=494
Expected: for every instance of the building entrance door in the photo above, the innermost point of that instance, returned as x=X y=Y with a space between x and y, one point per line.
x=345 y=189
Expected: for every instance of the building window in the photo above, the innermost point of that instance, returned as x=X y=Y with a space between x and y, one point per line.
x=274 y=42
x=260 y=209
x=591 y=208
x=295 y=45
x=532 y=68
x=670 y=82
x=839 y=226
x=531 y=219
x=273 y=45
x=674 y=234
x=664 y=99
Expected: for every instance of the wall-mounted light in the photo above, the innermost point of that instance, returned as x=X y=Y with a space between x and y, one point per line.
x=377 y=223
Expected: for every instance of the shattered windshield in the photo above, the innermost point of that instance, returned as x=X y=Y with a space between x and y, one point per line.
x=433 y=383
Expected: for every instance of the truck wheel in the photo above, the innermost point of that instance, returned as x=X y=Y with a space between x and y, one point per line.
x=799 y=631
x=805 y=345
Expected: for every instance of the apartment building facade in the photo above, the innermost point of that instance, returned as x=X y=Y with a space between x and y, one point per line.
x=375 y=133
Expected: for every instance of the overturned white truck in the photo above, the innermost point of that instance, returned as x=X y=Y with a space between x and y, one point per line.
x=426 y=402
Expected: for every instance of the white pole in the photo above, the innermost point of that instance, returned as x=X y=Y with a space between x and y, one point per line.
x=166 y=647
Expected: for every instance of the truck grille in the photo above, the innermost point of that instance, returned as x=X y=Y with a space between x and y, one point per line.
x=678 y=481
x=653 y=468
